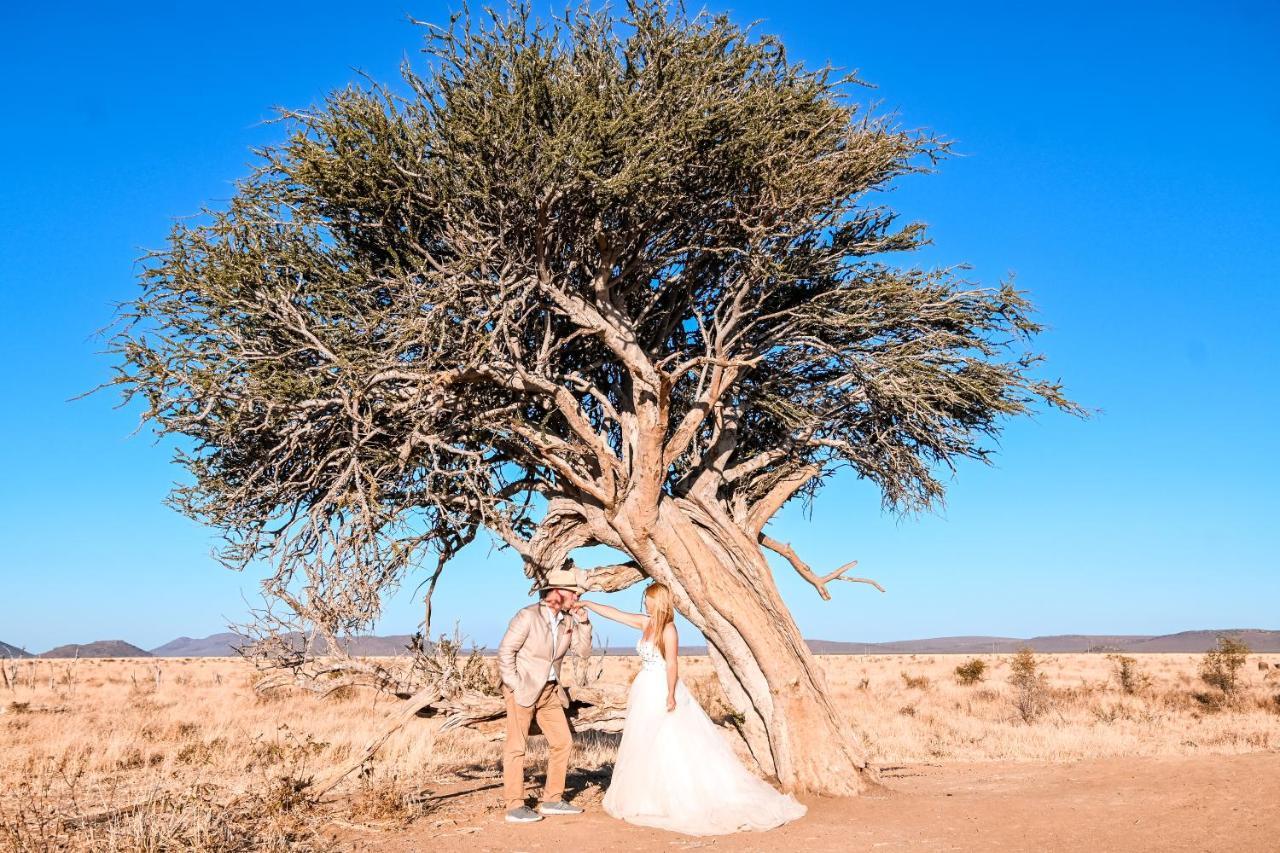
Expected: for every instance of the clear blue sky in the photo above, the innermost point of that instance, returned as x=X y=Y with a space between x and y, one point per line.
x=1122 y=162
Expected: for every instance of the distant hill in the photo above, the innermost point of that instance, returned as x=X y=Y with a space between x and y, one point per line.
x=1193 y=642
x=1257 y=639
x=983 y=645
x=213 y=646
x=98 y=649
x=372 y=646
x=225 y=645
x=8 y=651
x=934 y=645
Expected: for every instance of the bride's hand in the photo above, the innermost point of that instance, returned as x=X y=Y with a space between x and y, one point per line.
x=671 y=703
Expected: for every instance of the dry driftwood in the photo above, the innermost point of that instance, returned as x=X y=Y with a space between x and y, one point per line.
x=592 y=709
x=410 y=710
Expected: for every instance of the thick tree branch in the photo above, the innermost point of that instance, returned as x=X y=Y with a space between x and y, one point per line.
x=765 y=508
x=611 y=578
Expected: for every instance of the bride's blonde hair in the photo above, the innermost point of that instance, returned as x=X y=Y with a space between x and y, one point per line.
x=657 y=603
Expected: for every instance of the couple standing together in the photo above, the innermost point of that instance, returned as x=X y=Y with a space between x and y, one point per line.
x=674 y=769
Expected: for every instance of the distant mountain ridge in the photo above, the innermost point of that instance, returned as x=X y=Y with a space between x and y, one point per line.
x=227 y=645
x=1193 y=642
x=213 y=646
x=1258 y=640
x=9 y=651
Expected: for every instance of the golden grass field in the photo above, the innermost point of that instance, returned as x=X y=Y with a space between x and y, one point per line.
x=182 y=754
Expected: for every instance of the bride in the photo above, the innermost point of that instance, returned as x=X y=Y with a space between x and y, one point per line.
x=674 y=768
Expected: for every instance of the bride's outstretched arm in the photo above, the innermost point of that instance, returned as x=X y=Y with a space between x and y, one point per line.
x=635 y=620
x=671 y=651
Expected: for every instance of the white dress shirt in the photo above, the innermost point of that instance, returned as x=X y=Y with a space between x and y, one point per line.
x=554 y=618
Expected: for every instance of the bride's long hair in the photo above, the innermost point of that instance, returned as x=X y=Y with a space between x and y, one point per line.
x=657 y=603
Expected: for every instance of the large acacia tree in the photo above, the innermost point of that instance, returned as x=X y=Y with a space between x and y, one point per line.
x=622 y=280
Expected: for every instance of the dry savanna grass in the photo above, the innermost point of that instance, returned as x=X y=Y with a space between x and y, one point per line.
x=182 y=754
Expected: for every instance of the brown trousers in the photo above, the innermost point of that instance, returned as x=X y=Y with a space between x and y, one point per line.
x=552 y=721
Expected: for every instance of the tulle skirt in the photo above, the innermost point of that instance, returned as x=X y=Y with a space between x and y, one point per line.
x=676 y=771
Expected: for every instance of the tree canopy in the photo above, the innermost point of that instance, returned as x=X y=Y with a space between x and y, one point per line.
x=565 y=270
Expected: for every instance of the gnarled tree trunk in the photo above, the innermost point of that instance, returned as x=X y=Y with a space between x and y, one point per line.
x=724 y=587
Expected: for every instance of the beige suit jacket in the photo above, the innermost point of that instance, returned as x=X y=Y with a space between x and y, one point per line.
x=524 y=655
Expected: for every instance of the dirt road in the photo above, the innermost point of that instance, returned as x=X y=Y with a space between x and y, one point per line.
x=1210 y=803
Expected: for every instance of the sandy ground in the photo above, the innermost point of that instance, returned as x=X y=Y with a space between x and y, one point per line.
x=1167 y=767
x=1199 y=803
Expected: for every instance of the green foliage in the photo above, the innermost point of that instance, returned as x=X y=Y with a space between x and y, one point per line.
x=1032 y=694
x=1220 y=666
x=971 y=672
x=1023 y=667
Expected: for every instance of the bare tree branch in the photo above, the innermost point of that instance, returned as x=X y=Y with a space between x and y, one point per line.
x=802 y=568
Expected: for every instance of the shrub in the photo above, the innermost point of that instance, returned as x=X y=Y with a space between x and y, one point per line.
x=1126 y=671
x=918 y=682
x=1221 y=665
x=1207 y=701
x=971 y=672
x=1032 y=696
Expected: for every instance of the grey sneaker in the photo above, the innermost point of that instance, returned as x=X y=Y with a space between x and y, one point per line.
x=524 y=814
x=558 y=807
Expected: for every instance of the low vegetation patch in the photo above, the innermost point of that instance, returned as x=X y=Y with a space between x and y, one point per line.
x=915 y=682
x=971 y=672
x=1127 y=674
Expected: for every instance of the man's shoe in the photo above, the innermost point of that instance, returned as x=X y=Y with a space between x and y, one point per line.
x=558 y=807
x=524 y=814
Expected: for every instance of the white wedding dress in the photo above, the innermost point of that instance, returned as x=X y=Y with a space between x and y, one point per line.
x=676 y=771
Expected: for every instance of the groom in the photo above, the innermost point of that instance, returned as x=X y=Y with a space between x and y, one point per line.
x=529 y=659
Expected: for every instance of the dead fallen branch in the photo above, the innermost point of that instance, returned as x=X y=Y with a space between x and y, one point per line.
x=412 y=707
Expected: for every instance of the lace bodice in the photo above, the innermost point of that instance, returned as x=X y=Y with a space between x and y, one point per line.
x=650 y=657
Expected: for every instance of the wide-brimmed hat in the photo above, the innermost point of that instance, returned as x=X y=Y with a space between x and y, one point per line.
x=564 y=578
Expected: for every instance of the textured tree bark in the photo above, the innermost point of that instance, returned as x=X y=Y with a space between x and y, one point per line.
x=723 y=585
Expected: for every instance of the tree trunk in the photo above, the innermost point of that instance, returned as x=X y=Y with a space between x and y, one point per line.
x=723 y=585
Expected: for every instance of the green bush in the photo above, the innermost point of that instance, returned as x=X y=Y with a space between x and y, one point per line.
x=1221 y=665
x=972 y=671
